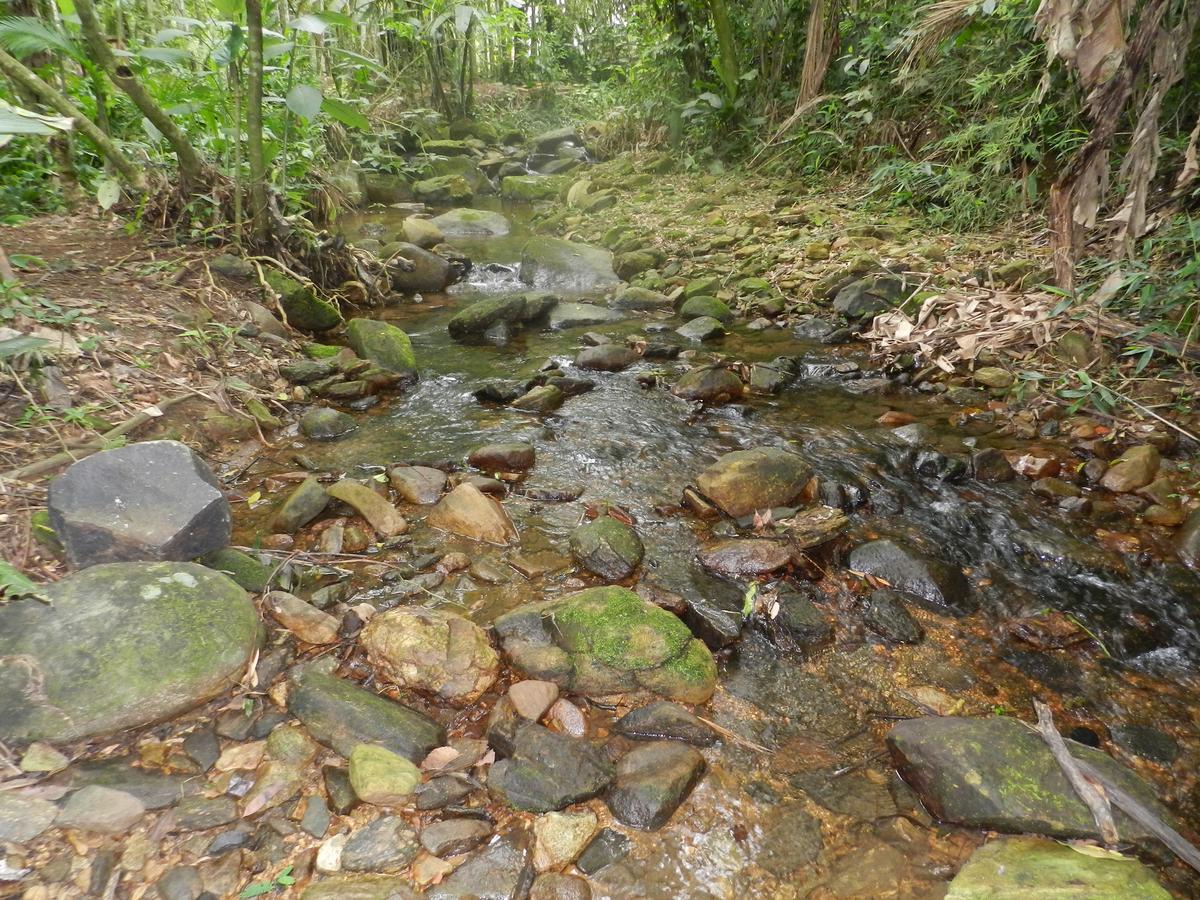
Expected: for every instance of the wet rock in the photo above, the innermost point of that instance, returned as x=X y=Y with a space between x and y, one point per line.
x=532 y=698
x=711 y=385
x=868 y=297
x=316 y=818
x=381 y=777
x=887 y=616
x=802 y=621
x=443 y=190
x=510 y=457
x=361 y=887
x=664 y=720
x=1187 y=541
x=941 y=587
x=154 y=790
x=338 y=788
x=1145 y=741
x=450 y=837
x=385 y=845
x=553 y=263
x=991 y=466
x=701 y=306
x=541 y=400
x=633 y=263
x=180 y=883
x=608 y=640
x=324 y=424
x=24 y=818
x=464 y=222
x=303 y=308
x=121 y=645
x=203 y=813
x=469 y=512
x=532 y=188
x=418 y=484
x=994 y=377
x=704 y=328
x=431 y=650
x=716 y=626
x=1054 y=489
x=791 y=839
x=422 y=232
x=40 y=757
x=342 y=715
x=155 y=500
x=101 y=809
x=652 y=782
x=500 y=871
x=246 y=570
x=304 y=620
x=384 y=518
x=560 y=838
x=745 y=556
x=546 y=771
x=1135 y=469
x=430 y=273
x=609 y=549
x=556 y=886
x=606 y=848
x=606 y=358
x=1018 y=867
x=748 y=480
x=579 y=315
x=998 y=774
x=304 y=504
x=631 y=297
x=383 y=344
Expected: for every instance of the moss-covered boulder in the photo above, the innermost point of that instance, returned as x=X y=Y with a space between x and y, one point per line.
x=748 y=480
x=466 y=222
x=422 y=232
x=509 y=309
x=704 y=305
x=386 y=188
x=444 y=190
x=383 y=344
x=609 y=549
x=608 y=640
x=303 y=308
x=531 y=188
x=121 y=645
x=557 y=264
x=1020 y=868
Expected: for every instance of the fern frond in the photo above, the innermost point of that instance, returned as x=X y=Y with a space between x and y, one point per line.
x=25 y=35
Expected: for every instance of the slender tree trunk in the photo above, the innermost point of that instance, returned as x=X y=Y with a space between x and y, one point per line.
x=191 y=166
x=259 y=220
x=15 y=70
x=820 y=46
x=727 y=46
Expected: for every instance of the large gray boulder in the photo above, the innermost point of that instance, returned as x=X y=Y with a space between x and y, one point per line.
x=155 y=500
x=472 y=223
x=121 y=645
x=427 y=272
x=553 y=263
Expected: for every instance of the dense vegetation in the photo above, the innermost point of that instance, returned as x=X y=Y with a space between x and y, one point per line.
x=974 y=113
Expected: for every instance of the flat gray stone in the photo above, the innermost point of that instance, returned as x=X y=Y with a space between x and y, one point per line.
x=24 y=818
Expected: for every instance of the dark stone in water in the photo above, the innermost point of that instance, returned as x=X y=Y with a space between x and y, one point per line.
x=715 y=626
x=548 y=771
x=155 y=500
x=606 y=848
x=607 y=548
x=791 y=839
x=1145 y=741
x=385 y=845
x=606 y=358
x=802 y=621
x=341 y=794
x=501 y=871
x=443 y=791
x=451 y=837
x=652 y=781
x=887 y=616
x=498 y=391
x=154 y=790
x=1081 y=735
x=942 y=587
x=991 y=466
x=664 y=720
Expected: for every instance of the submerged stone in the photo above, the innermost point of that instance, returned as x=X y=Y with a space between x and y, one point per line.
x=556 y=263
x=579 y=315
x=664 y=720
x=652 y=781
x=154 y=500
x=303 y=505
x=938 y=585
x=545 y=771
x=418 y=484
x=121 y=645
x=607 y=548
x=500 y=871
x=469 y=512
x=713 y=385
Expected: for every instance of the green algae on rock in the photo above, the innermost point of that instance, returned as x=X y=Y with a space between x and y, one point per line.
x=383 y=344
x=608 y=640
x=303 y=308
x=121 y=645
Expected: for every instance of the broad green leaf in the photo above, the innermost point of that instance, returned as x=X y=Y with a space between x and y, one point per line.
x=277 y=49
x=319 y=23
x=230 y=9
x=345 y=113
x=14 y=347
x=108 y=193
x=25 y=35
x=168 y=55
x=15 y=120
x=304 y=100
x=256 y=889
x=462 y=18
x=14 y=585
x=232 y=47
x=167 y=35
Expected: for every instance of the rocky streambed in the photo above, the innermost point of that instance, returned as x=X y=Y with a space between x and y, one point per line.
x=565 y=586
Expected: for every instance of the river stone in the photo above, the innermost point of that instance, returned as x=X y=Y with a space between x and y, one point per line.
x=515 y=456
x=300 y=303
x=887 y=616
x=745 y=556
x=324 y=424
x=633 y=297
x=868 y=297
x=450 y=837
x=203 y=813
x=101 y=809
x=744 y=481
x=652 y=781
x=607 y=548
x=362 y=887
x=430 y=272
x=548 y=262
x=381 y=777
x=418 y=484
x=431 y=650
x=941 y=587
x=560 y=837
x=444 y=190
x=531 y=188
x=579 y=315
x=1020 y=868
x=24 y=818
x=465 y=222
x=606 y=848
x=546 y=771
x=303 y=505
x=998 y=774
x=700 y=306
x=500 y=871
x=383 y=344
x=663 y=720
x=608 y=640
x=791 y=839
x=302 y=619
x=342 y=715
x=543 y=399
x=506 y=309
x=469 y=512
x=154 y=500
x=1135 y=469
x=532 y=698
x=385 y=845
x=121 y=645
x=1145 y=741
x=557 y=886
x=422 y=232
x=243 y=568
x=606 y=358
x=381 y=515
x=704 y=328
x=712 y=384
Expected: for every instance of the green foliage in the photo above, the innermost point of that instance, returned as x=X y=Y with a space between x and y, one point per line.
x=14 y=585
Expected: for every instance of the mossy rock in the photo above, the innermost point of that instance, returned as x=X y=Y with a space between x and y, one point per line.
x=386 y=188
x=701 y=305
x=383 y=344
x=608 y=640
x=531 y=188
x=303 y=308
x=121 y=645
x=313 y=350
x=707 y=286
x=243 y=568
x=444 y=190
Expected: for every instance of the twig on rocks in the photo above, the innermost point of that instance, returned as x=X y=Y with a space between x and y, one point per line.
x=1092 y=798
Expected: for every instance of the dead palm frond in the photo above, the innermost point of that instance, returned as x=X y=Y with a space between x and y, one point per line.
x=938 y=21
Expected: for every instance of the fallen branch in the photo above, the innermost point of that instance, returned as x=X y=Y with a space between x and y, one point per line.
x=1092 y=798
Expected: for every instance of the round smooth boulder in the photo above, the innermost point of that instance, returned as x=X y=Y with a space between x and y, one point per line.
x=514 y=456
x=748 y=480
x=121 y=645
x=431 y=650
x=155 y=500
x=607 y=548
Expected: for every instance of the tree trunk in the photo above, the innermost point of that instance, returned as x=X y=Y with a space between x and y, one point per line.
x=819 y=47
x=260 y=223
x=14 y=69
x=727 y=45
x=191 y=166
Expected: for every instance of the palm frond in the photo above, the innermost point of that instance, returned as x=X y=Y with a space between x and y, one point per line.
x=938 y=21
x=25 y=35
